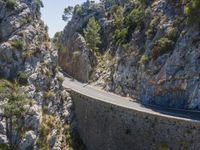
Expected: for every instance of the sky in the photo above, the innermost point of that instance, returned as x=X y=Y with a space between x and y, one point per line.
x=52 y=13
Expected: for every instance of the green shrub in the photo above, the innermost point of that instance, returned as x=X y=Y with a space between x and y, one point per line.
x=22 y=78
x=192 y=11
x=56 y=38
x=4 y=147
x=144 y=2
x=47 y=124
x=47 y=95
x=117 y=14
x=144 y=59
x=152 y=27
x=172 y=33
x=48 y=73
x=78 y=10
x=27 y=54
x=163 y=147
x=4 y=84
x=135 y=17
x=61 y=79
x=14 y=110
x=150 y=33
x=24 y=20
x=10 y=4
x=120 y=36
x=39 y=3
x=163 y=45
x=18 y=44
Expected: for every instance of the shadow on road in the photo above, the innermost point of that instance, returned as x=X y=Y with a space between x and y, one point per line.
x=189 y=114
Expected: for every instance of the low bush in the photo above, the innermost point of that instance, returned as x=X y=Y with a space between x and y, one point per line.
x=192 y=11
x=144 y=59
x=22 y=78
x=61 y=79
x=18 y=44
x=27 y=54
x=4 y=147
x=163 y=45
x=152 y=27
x=47 y=95
x=10 y=4
x=48 y=122
x=172 y=33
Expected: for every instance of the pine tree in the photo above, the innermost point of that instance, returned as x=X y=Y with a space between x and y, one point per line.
x=91 y=34
x=68 y=11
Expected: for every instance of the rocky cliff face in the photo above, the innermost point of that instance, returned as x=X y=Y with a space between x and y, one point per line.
x=157 y=62
x=26 y=56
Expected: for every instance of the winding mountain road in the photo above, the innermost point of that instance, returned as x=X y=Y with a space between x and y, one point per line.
x=97 y=94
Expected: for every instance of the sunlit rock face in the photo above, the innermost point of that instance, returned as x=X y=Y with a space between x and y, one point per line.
x=158 y=63
x=26 y=55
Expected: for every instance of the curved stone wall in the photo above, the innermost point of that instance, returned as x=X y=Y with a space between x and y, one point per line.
x=104 y=126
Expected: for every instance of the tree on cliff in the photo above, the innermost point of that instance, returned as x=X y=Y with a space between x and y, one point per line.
x=91 y=34
x=68 y=11
x=12 y=110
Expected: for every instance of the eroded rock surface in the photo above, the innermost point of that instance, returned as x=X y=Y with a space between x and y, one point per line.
x=26 y=55
x=155 y=73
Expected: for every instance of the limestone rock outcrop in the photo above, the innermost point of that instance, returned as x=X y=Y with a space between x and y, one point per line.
x=157 y=63
x=26 y=55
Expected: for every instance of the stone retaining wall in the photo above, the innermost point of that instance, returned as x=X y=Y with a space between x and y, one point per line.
x=104 y=126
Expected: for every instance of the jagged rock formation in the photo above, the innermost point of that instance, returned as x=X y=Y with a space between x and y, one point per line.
x=26 y=55
x=157 y=60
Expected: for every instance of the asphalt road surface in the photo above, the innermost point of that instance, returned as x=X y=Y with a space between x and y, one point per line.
x=129 y=103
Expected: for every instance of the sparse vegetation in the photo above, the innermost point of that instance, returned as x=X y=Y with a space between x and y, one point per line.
x=135 y=17
x=22 y=77
x=163 y=45
x=47 y=95
x=19 y=44
x=152 y=27
x=4 y=147
x=10 y=3
x=172 y=33
x=144 y=59
x=192 y=11
x=56 y=37
x=27 y=54
x=48 y=123
x=120 y=35
x=13 y=111
x=39 y=4
x=117 y=14
x=23 y=21
x=121 y=32
x=61 y=79
x=163 y=147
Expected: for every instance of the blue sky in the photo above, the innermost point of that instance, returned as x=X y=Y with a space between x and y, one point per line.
x=52 y=13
